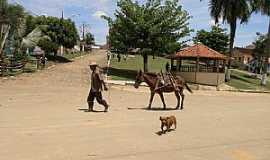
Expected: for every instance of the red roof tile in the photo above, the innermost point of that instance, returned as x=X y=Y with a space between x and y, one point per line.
x=198 y=50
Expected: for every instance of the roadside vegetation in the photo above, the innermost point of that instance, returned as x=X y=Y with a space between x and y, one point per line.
x=32 y=42
x=246 y=81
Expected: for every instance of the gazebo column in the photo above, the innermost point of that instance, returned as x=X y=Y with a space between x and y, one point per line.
x=217 y=66
x=197 y=64
x=197 y=68
x=217 y=70
x=172 y=64
x=178 y=65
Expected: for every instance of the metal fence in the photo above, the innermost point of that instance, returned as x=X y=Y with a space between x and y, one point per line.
x=207 y=69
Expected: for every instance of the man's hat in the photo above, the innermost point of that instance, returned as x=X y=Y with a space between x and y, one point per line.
x=93 y=64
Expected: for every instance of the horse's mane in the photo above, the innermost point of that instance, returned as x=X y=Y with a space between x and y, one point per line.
x=153 y=74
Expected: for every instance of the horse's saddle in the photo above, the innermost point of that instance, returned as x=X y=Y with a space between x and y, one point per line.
x=167 y=79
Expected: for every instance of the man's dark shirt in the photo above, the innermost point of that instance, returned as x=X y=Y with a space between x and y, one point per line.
x=96 y=81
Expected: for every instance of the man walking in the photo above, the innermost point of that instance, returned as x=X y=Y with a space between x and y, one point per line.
x=97 y=83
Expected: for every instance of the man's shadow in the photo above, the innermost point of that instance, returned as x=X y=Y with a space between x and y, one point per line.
x=87 y=110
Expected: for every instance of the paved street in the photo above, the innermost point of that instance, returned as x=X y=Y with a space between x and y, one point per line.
x=42 y=118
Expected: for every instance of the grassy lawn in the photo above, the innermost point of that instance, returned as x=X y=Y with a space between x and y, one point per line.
x=242 y=80
x=71 y=56
x=127 y=70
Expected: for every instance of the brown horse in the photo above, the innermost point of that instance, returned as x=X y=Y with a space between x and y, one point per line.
x=152 y=78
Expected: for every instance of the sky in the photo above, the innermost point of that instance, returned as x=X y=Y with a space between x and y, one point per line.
x=88 y=12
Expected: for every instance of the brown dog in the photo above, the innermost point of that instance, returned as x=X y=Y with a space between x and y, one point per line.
x=168 y=122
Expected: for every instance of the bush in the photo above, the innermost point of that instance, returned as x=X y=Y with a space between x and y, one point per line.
x=239 y=65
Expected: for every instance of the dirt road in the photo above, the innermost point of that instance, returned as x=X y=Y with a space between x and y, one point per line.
x=42 y=118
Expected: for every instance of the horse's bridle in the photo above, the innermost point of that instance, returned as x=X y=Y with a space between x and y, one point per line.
x=139 y=81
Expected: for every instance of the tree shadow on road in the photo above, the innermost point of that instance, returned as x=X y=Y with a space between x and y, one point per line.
x=122 y=73
x=58 y=59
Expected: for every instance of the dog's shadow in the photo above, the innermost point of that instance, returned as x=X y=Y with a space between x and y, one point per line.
x=160 y=133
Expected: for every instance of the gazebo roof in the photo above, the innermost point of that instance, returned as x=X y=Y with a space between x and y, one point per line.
x=198 y=50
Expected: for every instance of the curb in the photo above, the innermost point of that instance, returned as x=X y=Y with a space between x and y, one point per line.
x=124 y=83
x=130 y=83
x=246 y=91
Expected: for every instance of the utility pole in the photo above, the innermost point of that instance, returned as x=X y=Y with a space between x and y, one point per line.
x=83 y=30
x=83 y=37
x=62 y=36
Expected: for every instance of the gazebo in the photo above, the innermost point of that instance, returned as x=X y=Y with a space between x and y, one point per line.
x=199 y=64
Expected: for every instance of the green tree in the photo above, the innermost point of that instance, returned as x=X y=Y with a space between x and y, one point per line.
x=230 y=11
x=60 y=32
x=216 y=39
x=48 y=46
x=260 y=50
x=30 y=24
x=260 y=45
x=89 y=39
x=263 y=6
x=155 y=27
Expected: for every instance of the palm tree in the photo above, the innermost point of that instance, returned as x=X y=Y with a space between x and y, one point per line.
x=31 y=40
x=11 y=21
x=230 y=11
x=4 y=27
x=17 y=22
x=263 y=6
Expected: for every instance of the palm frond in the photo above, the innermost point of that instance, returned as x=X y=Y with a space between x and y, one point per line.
x=32 y=39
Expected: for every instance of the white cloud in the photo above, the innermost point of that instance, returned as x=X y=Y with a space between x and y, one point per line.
x=213 y=22
x=98 y=14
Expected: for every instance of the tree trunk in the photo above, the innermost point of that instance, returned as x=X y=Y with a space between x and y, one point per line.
x=145 y=63
x=3 y=41
x=267 y=48
x=232 y=36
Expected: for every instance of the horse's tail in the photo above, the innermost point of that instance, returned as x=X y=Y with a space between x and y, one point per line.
x=188 y=88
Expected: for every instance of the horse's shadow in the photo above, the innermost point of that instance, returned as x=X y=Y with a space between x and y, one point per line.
x=153 y=109
x=160 y=133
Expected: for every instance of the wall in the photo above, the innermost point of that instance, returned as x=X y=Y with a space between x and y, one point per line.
x=244 y=57
x=213 y=79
